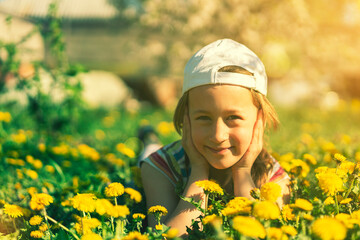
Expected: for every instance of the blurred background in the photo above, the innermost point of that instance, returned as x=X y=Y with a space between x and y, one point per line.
x=133 y=51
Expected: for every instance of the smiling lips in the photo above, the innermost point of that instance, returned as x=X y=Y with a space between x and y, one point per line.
x=219 y=150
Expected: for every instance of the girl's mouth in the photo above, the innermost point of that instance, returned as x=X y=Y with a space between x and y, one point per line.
x=220 y=151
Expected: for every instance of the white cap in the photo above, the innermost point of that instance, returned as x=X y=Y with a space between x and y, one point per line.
x=202 y=68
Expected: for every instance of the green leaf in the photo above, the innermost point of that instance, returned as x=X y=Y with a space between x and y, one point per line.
x=197 y=204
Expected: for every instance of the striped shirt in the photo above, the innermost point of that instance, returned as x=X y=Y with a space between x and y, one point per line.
x=172 y=162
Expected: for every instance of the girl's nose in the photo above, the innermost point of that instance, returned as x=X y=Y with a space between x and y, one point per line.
x=219 y=132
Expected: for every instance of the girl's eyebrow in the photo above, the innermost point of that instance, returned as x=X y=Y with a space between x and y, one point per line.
x=199 y=111
x=230 y=111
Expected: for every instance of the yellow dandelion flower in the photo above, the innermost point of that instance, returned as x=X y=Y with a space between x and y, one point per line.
x=303 y=204
x=159 y=227
x=357 y=156
x=329 y=147
x=134 y=195
x=88 y=152
x=36 y=234
x=14 y=161
x=19 y=174
x=329 y=200
x=345 y=167
x=266 y=210
x=17 y=186
x=32 y=174
x=19 y=137
x=13 y=210
x=287 y=213
x=346 y=220
x=346 y=201
x=5 y=117
x=85 y=202
x=91 y=236
x=211 y=219
x=158 y=209
x=289 y=230
x=43 y=227
x=135 y=236
x=339 y=157
x=238 y=205
x=103 y=206
x=270 y=191
x=122 y=148
x=330 y=182
x=138 y=216
x=120 y=211
x=328 y=228
x=62 y=149
x=310 y=158
x=275 y=234
x=346 y=139
x=327 y=158
x=49 y=168
x=165 y=128
x=35 y=220
x=37 y=164
x=171 y=233
x=308 y=217
x=114 y=160
x=29 y=159
x=42 y=147
x=299 y=167
x=114 y=189
x=249 y=227
x=210 y=186
x=40 y=200
x=86 y=225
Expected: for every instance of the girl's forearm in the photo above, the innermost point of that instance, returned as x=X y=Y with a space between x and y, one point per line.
x=185 y=212
x=243 y=183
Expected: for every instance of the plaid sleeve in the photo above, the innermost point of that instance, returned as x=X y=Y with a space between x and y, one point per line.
x=168 y=161
x=277 y=173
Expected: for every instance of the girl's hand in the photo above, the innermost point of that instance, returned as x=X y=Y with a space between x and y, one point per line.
x=197 y=161
x=255 y=147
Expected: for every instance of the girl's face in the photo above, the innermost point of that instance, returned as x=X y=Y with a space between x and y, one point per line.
x=222 y=118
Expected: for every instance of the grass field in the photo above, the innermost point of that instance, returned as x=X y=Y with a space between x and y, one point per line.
x=83 y=182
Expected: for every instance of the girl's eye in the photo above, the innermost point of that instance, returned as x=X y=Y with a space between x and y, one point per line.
x=234 y=117
x=202 y=118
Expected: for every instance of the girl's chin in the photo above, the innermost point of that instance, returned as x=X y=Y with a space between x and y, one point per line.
x=221 y=166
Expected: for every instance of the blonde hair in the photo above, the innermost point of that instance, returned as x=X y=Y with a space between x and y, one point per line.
x=263 y=163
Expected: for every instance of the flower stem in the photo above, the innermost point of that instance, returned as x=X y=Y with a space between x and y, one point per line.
x=112 y=224
x=336 y=204
x=46 y=219
x=350 y=188
x=206 y=203
x=60 y=225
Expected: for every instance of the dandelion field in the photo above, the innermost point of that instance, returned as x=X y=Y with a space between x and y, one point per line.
x=84 y=183
x=70 y=172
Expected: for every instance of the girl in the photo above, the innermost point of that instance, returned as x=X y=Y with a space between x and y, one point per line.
x=221 y=116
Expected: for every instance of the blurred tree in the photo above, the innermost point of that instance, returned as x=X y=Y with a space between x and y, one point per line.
x=313 y=39
x=129 y=11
